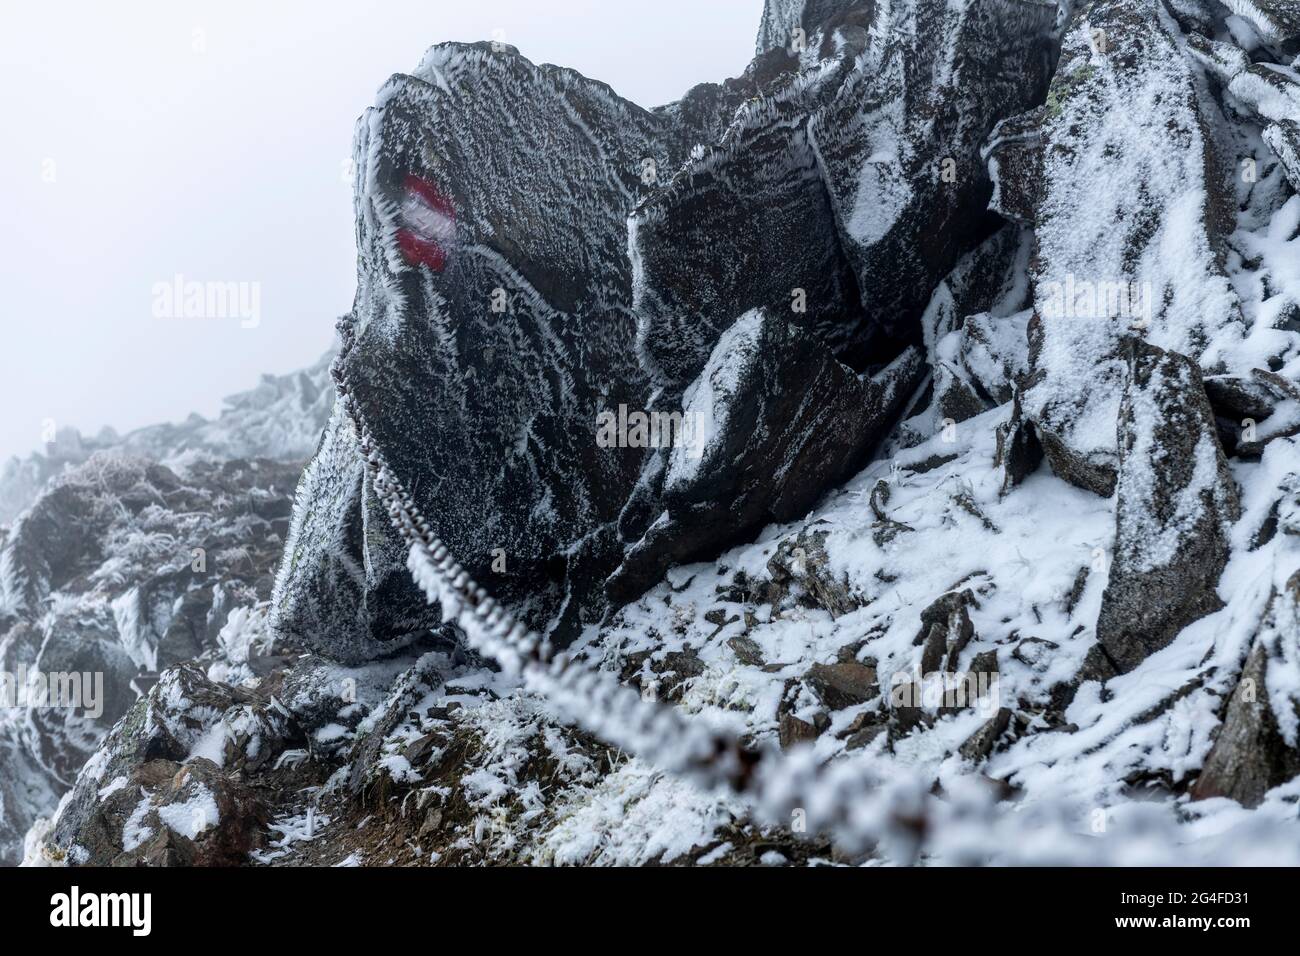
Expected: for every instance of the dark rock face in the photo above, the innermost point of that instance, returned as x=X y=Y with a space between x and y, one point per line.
x=779 y=421
x=799 y=203
x=1176 y=505
x=900 y=141
x=850 y=189
x=1014 y=154
x=490 y=334
x=747 y=223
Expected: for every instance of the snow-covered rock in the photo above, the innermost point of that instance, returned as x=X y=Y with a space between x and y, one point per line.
x=899 y=142
x=121 y=568
x=281 y=418
x=1176 y=504
x=776 y=420
x=1256 y=747
x=1132 y=205
x=490 y=334
x=747 y=223
x=925 y=646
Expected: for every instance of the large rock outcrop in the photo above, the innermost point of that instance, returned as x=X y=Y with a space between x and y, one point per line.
x=851 y=190
x=489 y=334
x=747 y=223
x=838 y=201
x=1130 y=220
x=900 y=141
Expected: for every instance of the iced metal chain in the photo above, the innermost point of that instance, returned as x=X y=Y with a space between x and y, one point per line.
x=594 y=700
x=844 y=798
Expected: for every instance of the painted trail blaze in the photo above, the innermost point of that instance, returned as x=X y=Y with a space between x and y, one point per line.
x=428 y=224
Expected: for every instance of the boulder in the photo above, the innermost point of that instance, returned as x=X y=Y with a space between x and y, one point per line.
x=849 y=192
x=1018 y=452
x=776 y=421
x=745 y=224
x=1252 y=753
x=1176 y=504
x=946 y=629
x=791 y=732
x=980 y=744
x=843 y=684
x=171 y=784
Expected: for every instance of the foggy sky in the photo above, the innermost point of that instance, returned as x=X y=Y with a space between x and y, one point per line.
x=146 y=140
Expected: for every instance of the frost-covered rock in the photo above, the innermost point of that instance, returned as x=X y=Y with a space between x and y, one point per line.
x=899 y=143
x=191 y=773
x=123 y=567
x=342 y=579
x=846 y=192
x=776 y=420
x=490 y=332
x=792 y=24
x=1283 y=137
x=281 y=419
x=155 y=792
x=1176 y=505
x=746 y=224
x=1256 y=748
x=1130 y=220
x=1273 y=19
x=1272 y=92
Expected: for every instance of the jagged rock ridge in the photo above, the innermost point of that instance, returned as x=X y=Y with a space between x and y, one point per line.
x=1124 y=620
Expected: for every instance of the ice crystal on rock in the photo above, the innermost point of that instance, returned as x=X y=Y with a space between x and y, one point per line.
x=917 y=249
